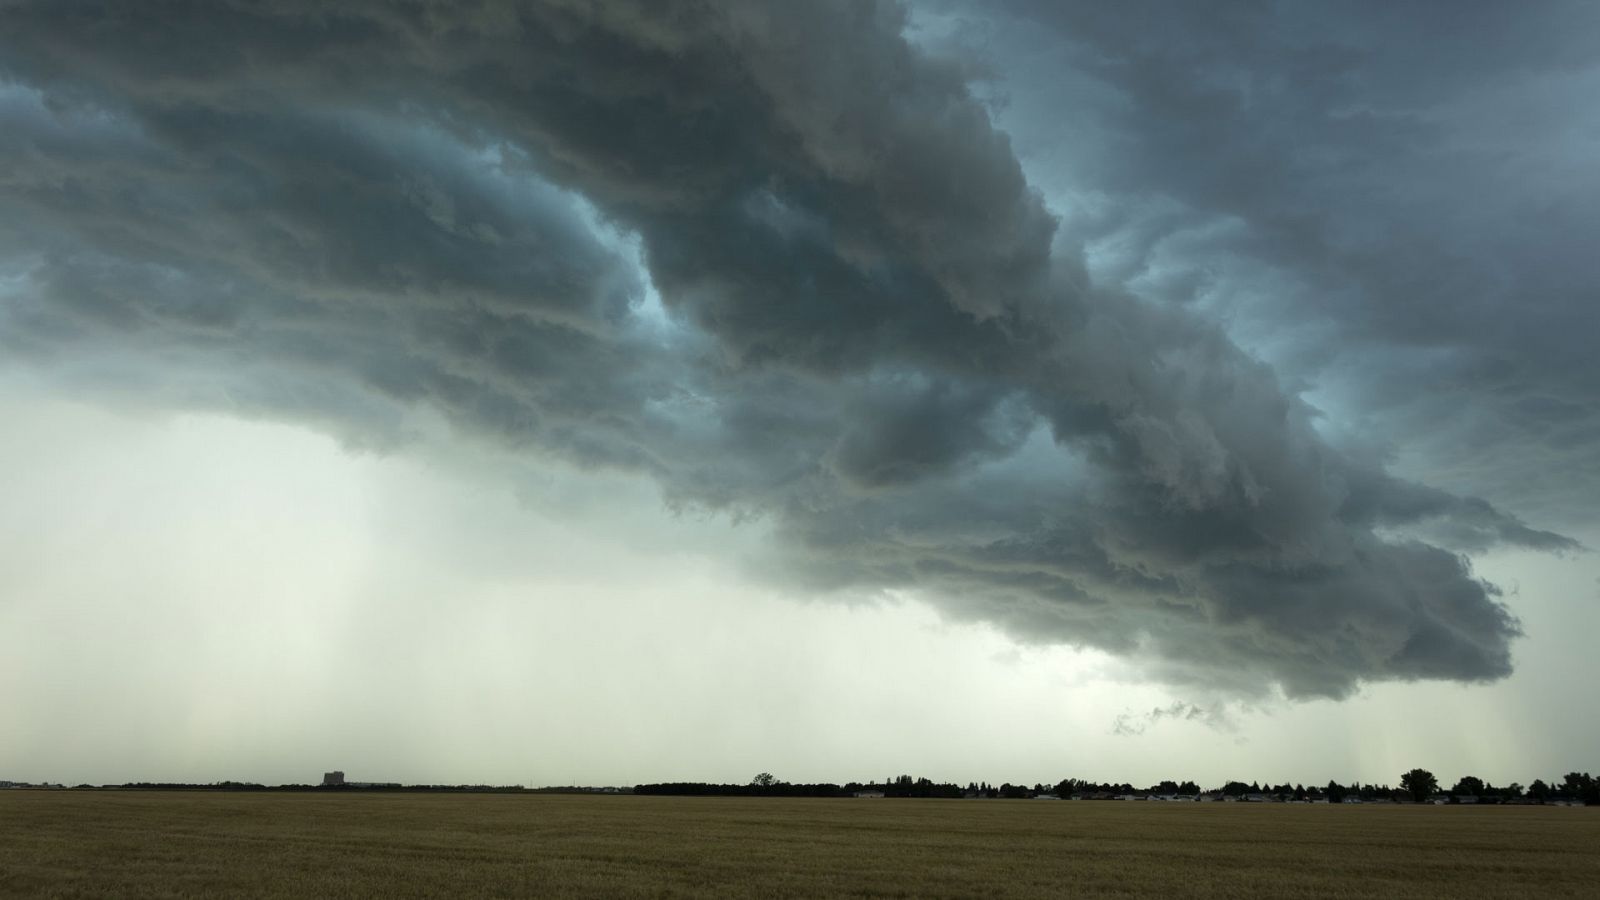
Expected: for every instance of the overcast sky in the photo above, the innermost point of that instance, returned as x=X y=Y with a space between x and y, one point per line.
x=579 y=392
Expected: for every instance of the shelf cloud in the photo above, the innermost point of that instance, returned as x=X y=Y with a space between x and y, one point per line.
x=778 y=258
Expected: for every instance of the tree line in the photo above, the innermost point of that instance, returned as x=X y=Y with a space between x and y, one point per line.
x=1416 y=786
x=250 y=786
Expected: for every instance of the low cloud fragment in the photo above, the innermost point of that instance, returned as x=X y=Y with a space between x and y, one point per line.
x=770 y=255
x=1135 y=724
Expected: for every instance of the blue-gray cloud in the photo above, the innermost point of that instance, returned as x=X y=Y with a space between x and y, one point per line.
x=1392 y=202
x=870 y=329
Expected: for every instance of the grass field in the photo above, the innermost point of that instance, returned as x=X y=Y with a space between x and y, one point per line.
x=138 y=845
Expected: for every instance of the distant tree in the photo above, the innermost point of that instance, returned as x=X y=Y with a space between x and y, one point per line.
x=763 y=780
x=1539 y=790
x=1419 y=783
x=1577 y=785
x=1335 y=792
x=1582 y=786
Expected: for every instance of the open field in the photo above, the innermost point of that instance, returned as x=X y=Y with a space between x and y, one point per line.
x=137 y=845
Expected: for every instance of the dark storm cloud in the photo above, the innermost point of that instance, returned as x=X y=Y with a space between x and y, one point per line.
x=872 y=332
x=1395 y=202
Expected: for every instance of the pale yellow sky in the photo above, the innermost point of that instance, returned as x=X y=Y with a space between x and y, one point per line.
x=199 y=598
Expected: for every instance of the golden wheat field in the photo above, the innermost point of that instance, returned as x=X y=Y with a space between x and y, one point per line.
x=139 y=845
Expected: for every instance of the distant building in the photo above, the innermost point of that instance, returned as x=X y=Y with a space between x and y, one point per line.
x=333 y=779
x=869 y=794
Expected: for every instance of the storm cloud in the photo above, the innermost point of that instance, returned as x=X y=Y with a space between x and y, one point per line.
x=1392 y=203
x=776 y=257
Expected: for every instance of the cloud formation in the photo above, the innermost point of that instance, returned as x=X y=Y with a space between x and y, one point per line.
x=1394 y=211
x=771 y=255
x=1133 y=725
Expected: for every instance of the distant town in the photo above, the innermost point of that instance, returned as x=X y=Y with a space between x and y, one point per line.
x=1415 y=786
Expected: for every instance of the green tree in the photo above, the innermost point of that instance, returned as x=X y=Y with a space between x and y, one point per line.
x=1582 y=786
x=1468 y=785
x=764 y=780
x=1420 y=783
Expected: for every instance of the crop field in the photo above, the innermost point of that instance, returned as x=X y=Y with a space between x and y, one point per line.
x=138 y=845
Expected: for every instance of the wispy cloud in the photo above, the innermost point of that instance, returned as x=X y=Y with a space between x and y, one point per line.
x=1130 y=724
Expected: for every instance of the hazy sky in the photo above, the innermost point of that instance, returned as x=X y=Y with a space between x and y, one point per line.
x=614 y=392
